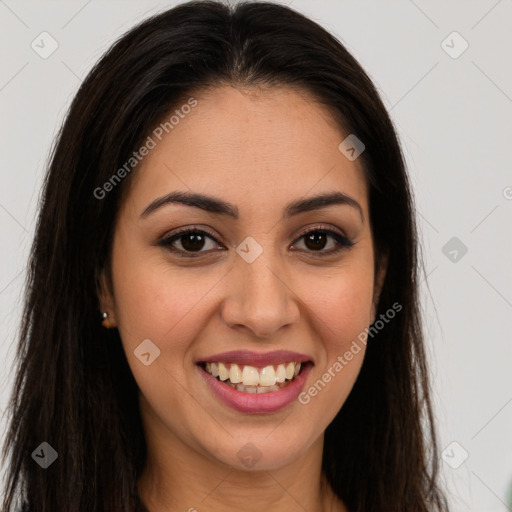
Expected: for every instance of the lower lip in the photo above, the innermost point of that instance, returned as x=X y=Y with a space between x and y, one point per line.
x=256 y=403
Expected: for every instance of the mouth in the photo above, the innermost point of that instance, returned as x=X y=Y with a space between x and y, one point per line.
x=256 y=383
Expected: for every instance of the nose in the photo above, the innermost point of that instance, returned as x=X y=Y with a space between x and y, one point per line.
x=260 y=299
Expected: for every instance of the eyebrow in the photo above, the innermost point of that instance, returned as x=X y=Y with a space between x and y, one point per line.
x=220 y=207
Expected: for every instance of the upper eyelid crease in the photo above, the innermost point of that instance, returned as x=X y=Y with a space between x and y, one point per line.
x=220 y=207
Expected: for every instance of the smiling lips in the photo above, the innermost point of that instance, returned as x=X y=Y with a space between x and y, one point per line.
x=255 y=383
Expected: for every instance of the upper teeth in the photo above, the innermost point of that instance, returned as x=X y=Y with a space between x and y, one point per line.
x=251 y=376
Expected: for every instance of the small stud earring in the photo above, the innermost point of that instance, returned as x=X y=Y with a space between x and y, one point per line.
x=105 y=323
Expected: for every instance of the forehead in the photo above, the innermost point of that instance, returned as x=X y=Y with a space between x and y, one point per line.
x=259 y=145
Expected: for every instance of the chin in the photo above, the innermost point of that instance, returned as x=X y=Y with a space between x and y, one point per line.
x=266 y=450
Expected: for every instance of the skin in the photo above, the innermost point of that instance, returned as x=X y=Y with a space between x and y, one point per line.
x=239 y=145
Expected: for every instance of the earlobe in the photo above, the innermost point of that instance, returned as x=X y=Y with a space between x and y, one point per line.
x=105 y=322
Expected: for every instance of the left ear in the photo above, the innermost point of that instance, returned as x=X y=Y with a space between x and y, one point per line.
x=105 y=298
x=380 y=276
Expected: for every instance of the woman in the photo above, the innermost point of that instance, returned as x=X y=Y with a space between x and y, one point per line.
x=222 y=309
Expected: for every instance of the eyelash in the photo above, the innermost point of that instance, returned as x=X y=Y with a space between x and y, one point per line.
x=342 y=241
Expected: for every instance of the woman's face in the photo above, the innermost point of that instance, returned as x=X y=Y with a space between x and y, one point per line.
x=250 y=289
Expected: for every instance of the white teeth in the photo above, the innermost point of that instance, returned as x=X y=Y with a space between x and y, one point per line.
x=249 y=380
x=250 y=376
x=280 y=373
x=267 y=376
x=290 y=369
x=235 y=375
x=223 y=372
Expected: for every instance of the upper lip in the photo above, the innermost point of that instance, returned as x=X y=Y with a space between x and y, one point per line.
x=247 y=357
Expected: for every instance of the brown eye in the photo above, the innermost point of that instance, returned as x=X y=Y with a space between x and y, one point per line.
x=192 y=241
x=316 y=240
x=188 y=241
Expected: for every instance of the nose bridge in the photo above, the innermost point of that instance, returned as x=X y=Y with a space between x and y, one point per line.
x=259 y=298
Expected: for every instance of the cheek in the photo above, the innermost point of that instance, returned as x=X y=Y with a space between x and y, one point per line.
x=163 y=306
x=342 y=305
x=155 y=300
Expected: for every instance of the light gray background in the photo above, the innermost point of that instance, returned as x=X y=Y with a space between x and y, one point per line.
x=454 y=120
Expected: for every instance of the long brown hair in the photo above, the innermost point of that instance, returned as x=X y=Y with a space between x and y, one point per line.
x=73 y=386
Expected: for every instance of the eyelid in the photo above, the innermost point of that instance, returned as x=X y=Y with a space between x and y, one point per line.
x=322 y=227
